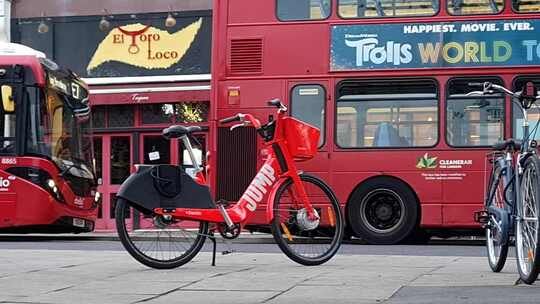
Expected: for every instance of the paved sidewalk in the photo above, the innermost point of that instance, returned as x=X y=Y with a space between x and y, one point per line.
x=50 y=276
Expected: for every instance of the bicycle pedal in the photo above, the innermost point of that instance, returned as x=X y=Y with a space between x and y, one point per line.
x=481 y=217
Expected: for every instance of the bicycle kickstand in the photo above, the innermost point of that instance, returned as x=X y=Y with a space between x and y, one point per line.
x=213 y=239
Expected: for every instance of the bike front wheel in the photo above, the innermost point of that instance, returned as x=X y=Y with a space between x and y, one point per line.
x=527 y=234
x=497 y=227
x=304 y=240
x=158 y=241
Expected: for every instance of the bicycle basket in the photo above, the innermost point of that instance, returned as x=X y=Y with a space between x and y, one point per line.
x=302 y=138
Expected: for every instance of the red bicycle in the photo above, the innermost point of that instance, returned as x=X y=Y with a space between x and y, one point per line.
x=179 y=213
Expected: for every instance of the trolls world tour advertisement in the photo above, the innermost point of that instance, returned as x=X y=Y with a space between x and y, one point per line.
x=429 y=45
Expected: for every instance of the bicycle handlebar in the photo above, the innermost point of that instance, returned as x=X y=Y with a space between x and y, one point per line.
x=236 y=117
x=491 y=88
x=277 y=103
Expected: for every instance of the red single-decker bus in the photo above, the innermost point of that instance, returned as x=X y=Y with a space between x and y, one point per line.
x=47 y=179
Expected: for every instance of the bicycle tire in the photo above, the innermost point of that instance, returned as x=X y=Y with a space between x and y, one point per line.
x=497 y=251
x=329 y=231
x=527 y=209
x=130 y=243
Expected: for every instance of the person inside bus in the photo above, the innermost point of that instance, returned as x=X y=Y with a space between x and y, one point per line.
x=63 y=148
x=387 y=136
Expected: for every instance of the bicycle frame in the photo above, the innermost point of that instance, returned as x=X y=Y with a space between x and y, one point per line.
x=278 y=167
x=511 y=169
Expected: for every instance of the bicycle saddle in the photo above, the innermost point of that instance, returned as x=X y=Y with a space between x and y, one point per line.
x=514 y=144
x=179 y=131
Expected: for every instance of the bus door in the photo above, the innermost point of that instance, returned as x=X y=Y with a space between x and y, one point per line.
x=309 y=102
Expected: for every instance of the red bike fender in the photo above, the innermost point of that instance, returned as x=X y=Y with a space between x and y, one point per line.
x=271 y=198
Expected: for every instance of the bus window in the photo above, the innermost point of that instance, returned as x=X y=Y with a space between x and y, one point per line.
x=473 y=7
x=473 y=120
x=533 y=114
x=297 y=10
x=307 y=104
x=387 y=8
x=7 y=129
x=387 y=113
x=528 y=6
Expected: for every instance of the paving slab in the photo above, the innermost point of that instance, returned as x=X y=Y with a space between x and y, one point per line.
x=76 y=276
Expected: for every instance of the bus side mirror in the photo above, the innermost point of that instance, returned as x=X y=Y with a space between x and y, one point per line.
x=8 y=103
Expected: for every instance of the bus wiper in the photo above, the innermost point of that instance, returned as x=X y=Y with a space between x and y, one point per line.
x=68 y=167
x=66 y=170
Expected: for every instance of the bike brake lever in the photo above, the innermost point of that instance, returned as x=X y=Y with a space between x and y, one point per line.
x=244 y=124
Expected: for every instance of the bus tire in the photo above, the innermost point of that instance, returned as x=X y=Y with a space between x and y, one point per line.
x=383 y=211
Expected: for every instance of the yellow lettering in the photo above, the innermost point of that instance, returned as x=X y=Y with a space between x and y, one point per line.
x=498 y=46
x=483 y=56
x=428 y=52
x=446 y=52
x=471 y=49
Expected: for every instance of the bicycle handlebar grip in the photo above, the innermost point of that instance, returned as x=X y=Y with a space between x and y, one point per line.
x=275 y=102
x=230 y=119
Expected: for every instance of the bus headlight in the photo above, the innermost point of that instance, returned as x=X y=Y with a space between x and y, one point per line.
x=97 y=197
x=54 y=191
x=51 y=183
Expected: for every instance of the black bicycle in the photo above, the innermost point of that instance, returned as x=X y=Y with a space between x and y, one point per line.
x=512 y=197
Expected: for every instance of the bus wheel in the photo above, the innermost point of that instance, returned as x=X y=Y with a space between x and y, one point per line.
x=383 y=211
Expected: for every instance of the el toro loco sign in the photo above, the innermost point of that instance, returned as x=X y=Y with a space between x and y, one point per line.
x=134 y=45
x=145 y=46
x=428 y=45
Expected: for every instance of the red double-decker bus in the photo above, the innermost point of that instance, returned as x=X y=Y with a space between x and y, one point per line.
x=47 y=179
x=386 y=81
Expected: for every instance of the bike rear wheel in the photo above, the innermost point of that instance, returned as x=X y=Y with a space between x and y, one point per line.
x=497 y=228
x=527 y=232
x=161 y=243
x=305 y=241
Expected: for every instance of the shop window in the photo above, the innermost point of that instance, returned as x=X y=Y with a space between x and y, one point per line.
x=98 y=116
x=120 y=159
x=387 y=113
x=533 y=114
x=184 y=112
x=121 y=116
x=526 y=6
x=192 y=112
x=307 y=104
x=156 y=150
x=387 y=8
x=199 y=151
x=473 y=120
x=296 y=10
x=158 y=113
x=474 y=7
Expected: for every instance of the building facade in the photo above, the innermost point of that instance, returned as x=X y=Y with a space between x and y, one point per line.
x=148 y=66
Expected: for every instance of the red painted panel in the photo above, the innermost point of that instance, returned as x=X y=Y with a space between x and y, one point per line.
x=150 y=97
x=8 y=207
x=264 y=11
x=252 y=93
x=431 y=215
x=290 y=49
x=461 y=215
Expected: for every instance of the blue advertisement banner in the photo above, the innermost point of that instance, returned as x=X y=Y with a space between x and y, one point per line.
x=429 y=45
